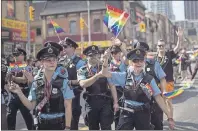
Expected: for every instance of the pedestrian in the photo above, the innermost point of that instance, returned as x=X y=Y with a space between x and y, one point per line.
x=72 y=63
x=153 y=68
x=15 y=103
x=195 y=69
x=98 y=98
x=50 y=94
x=139 y=87
x=117 y=64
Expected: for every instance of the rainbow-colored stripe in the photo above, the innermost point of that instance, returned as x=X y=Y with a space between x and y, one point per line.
x=115 y=19
x=17 y=67
x=178 y=61
x=173 y=94
x=57 y=28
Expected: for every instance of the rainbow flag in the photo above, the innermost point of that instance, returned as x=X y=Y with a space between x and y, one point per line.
x=178 y=61
x=195 y=54
x=17 y=67
x=57 y=28
x=115 y=19
x=173 y=94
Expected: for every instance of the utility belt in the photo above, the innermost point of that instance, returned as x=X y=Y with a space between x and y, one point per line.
x=132 y=108
x=103 y=96
x=51 y=119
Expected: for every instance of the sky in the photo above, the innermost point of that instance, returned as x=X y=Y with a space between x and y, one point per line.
x=178 y=10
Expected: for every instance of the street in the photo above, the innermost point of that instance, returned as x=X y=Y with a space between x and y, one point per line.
x=185 y=110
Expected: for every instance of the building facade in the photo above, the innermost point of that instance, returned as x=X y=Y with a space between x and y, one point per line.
x=191 y=10
x=14 y=26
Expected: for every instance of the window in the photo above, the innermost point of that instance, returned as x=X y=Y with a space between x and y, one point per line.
x=97 y=25
x=72 y=27
x=38 y=31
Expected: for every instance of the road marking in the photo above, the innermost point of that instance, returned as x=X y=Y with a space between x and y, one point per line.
x=84 y=128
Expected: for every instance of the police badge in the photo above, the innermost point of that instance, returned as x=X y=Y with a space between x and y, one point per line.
x=93 y=48
x=50 y=50
x=137 y=52
x=54 y=91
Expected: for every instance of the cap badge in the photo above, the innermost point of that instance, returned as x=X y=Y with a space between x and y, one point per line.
x=93 y=48
x=50 y=50
x=137 y=52
x=48 y=44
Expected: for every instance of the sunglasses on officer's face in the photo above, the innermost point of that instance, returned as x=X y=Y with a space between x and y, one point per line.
x=137 y=61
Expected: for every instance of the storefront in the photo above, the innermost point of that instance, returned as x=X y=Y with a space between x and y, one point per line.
x=14 y=34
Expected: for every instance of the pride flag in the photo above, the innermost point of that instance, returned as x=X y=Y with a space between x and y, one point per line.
x=57 y=28
x=115 y=19
x=17 y=67
x=173 y=94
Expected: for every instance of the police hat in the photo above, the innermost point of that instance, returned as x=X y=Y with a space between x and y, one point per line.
x=68 y=41
x=54 y=44
x=48 y=51
x=136 y=54
x=115 y=49
x=18 y=51
x=141 y=45
x=91 y=50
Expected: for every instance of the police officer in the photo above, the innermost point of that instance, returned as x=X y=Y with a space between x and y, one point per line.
x=15 y=103
x=154 y=69
x=50 y=93
x=117 y=64
x=139 y=88
x=98 y=101
x=72 y=63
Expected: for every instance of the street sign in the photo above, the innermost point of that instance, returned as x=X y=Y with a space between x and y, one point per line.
x=142 y=27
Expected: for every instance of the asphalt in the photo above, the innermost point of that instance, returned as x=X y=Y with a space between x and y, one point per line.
x=185 y=110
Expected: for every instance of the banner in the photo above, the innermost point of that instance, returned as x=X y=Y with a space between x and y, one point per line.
x=13 y=24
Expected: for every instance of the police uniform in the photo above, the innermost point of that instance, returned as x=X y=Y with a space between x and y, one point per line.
x=154 y=69
x=98 y=101
x=117 y=67
x=72 y=64
x=138 y=91
x=15 y=103
x=49 y=97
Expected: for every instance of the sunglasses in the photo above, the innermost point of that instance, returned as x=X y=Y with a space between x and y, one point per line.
x=160 y=46
x=137 y=61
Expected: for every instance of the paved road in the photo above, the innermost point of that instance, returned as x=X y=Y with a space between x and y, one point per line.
x=185 y=111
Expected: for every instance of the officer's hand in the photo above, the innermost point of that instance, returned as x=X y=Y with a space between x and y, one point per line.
x=105 y=74
x=116 y=41
x=171 y=124
x=116 y=107
x=13 y=87
x=28 y=75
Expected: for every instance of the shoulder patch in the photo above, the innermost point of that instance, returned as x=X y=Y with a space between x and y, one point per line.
x=62 y=72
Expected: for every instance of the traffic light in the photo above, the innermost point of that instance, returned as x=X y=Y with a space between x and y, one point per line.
x=142 y=27
x=82 y=23
x=31 y=12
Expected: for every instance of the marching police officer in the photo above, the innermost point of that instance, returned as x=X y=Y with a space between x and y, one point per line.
x=72 y=63
x=117 y=64
x=139 y=88
x=98 y=101
x=50 y=94
x=15 y=103
x=154 y=69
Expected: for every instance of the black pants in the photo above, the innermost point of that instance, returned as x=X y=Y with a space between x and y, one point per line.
x=139 y=120
x=99 y=113
x=3 y=117
x=76 y=112
x=59 y=126
x=15 y=105
x=195 y=70
x=157 y=117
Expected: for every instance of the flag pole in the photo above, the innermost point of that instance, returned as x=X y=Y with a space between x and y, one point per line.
x=55 y=29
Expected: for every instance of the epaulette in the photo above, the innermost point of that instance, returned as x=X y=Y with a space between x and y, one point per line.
x=62 y=72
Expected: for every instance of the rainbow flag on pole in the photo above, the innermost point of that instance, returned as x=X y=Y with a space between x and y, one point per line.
x=115 y=19
x=17 y=67
x=57 y=28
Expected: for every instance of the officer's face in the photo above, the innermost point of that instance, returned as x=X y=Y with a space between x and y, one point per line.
x=161 y=46
x=20 y=57
x=50 y=63
x=117 y=56
x=138 y=64
x=94 y=58
x=68 y=49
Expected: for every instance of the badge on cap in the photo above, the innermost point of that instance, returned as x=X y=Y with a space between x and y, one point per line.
x=54 y=91
x=137 y=52
x=50 y=50
x=93 y=48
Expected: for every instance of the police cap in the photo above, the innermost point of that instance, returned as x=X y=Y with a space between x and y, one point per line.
x=18 y=51
x=91 y=50
x=142 y=45
x=115 y=49
x=48 y=51
x=54 y=44
x=136 y=54
x=68 y=42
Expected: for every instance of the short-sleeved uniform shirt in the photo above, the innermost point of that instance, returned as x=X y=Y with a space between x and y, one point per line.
x=67 y=92
x=119 y=78
x=122 y=67
x=168 y=66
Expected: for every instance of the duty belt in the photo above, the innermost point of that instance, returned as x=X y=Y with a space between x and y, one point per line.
x=137 y=108
x=56 y=120
x=96 y=96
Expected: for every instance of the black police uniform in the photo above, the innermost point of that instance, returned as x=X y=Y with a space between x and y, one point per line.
x=15 y=102
x=53 y=108
x=98 y=101
x=70 y=65
x=119 y=89
x=140 y=119
x=156 y=111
